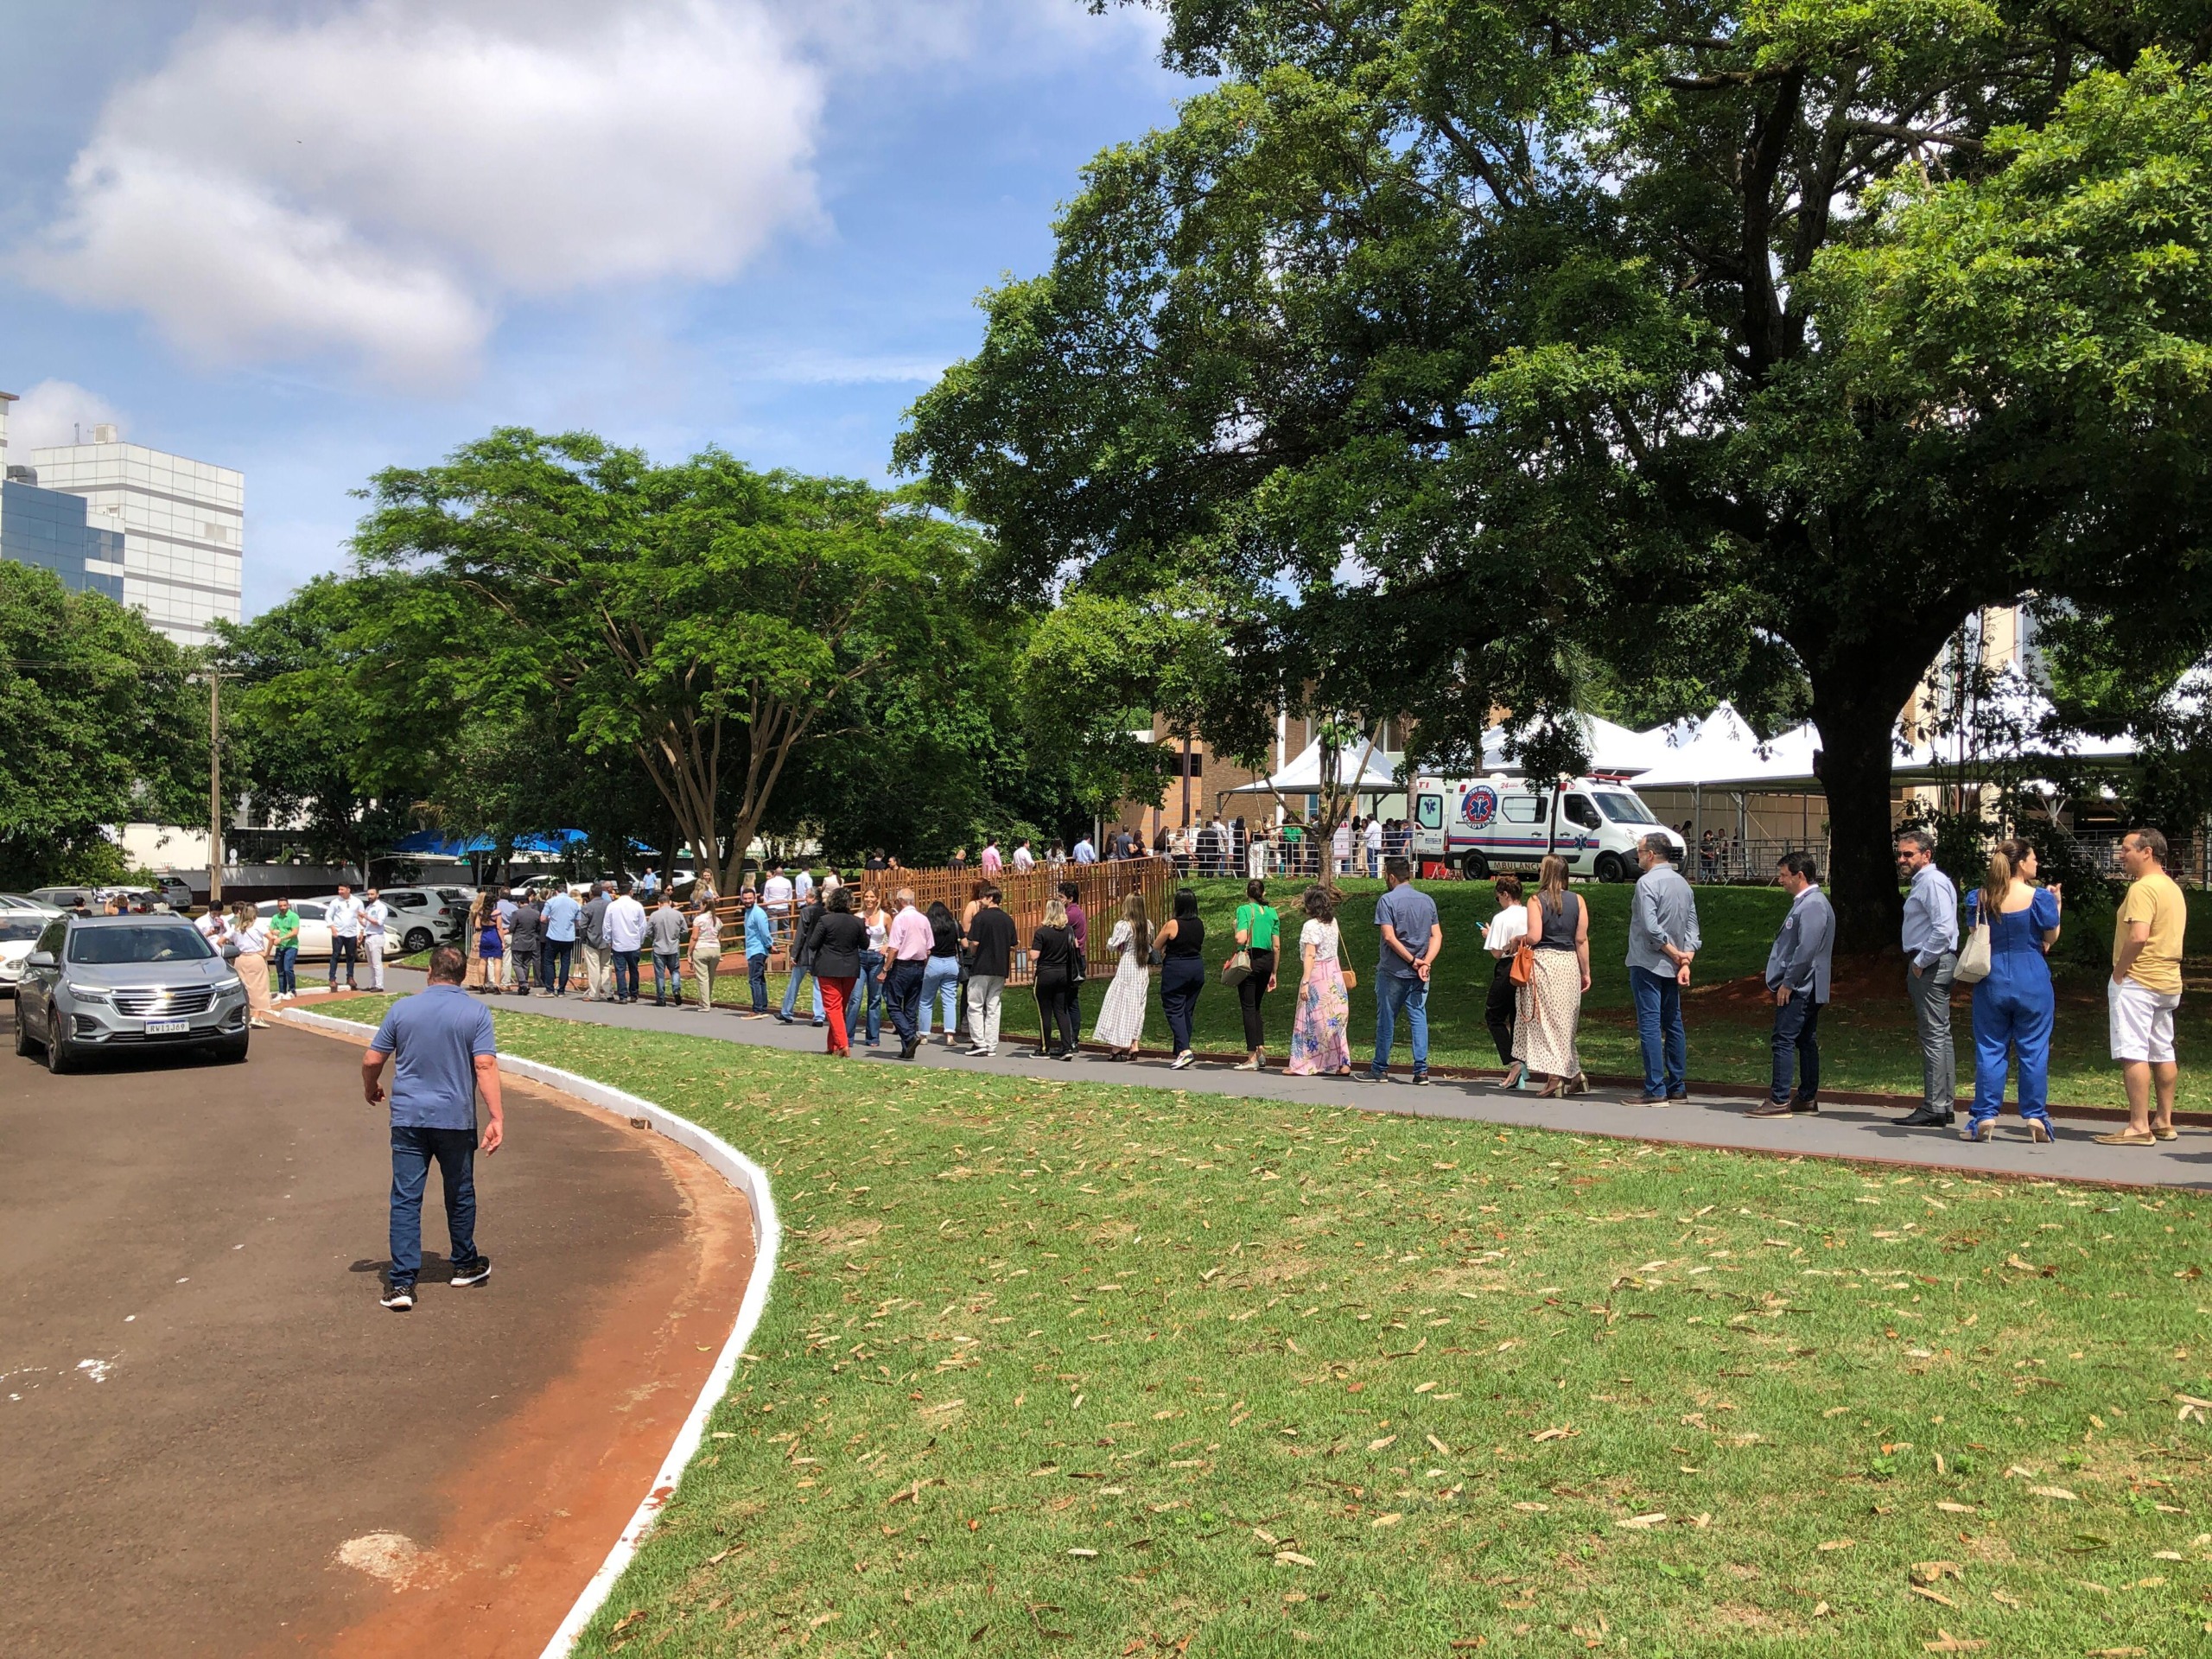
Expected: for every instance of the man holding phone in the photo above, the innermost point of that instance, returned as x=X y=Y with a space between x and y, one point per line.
x=440 y=1044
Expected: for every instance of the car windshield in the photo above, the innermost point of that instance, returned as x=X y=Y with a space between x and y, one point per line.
x=138 y=944
x=1625 y=808
x=18 y=926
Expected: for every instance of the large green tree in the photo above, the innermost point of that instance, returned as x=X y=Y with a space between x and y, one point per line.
x=99 y=725
x=701 y=620
x=1745 y=348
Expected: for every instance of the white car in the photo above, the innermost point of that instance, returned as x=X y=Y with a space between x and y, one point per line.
x=19 y=931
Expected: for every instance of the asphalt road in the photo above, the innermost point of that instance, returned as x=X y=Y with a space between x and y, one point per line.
x=201 y=1402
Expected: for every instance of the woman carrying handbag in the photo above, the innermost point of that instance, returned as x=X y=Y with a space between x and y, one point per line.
x=1558 y=947
x=1252 y=969
x=2013 y=925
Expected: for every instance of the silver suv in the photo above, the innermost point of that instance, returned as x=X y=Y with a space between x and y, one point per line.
x=107 y=982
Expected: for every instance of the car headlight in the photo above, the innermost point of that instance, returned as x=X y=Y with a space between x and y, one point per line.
x=231 y=984
x=87 y=993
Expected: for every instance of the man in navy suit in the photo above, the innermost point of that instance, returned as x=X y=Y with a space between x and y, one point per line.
x=1798 y=974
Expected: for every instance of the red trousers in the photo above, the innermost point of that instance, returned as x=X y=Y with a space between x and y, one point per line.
x=837 y=995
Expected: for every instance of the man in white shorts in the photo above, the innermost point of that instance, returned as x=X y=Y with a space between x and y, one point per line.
x=2145 y=989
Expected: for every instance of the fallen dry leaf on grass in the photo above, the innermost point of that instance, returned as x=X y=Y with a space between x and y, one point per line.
x=1936 y=1572
x=1390 y=1520
x=1442 y=1449
x=1292 y=1558
x=1532 y=1508
x=1636 y=1521
x=1946 y=1642
x=2059 y=1492
x=1955 y=1509
x=1551 y=1434
x=1376 y=1445
x=1834 y=1543
x=2009 y=1601
x=1932 y=1595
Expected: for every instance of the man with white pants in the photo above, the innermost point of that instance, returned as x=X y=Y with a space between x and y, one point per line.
x=376 y=916
x=2145 y=989
x=591 y=942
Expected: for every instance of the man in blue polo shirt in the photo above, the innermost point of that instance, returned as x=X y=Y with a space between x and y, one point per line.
x=440 y=1044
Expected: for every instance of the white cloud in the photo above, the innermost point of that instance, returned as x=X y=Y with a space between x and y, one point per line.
x=380 y=178
x=53 y=412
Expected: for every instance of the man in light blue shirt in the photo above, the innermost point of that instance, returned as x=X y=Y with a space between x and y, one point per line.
x=759 y=940
x=1662 y=938
x=1931 y=959
x=1084 y=852
x=561 y=913
x=440 y=1044
x=1797 y=975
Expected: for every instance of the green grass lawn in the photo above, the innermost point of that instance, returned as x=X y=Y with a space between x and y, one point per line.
x=1068 y=1368
x=1867 y=1040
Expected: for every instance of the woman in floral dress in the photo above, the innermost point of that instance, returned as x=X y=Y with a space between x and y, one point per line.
x=1317 y=1040
x=1120 y=1017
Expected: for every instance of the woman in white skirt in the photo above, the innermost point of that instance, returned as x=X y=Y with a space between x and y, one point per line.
x=1551 y=1002
x=1120 y=1017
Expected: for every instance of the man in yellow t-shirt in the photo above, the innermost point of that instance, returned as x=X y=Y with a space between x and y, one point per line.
x=2146 y=988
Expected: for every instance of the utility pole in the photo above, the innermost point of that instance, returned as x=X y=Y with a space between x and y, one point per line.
x=215 y=678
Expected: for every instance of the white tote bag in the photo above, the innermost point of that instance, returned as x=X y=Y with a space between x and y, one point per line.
x=1973 y=958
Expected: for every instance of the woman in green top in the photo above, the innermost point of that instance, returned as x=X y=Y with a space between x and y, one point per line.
x=1257 y=931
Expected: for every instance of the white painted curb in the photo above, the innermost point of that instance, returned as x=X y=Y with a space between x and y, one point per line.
x=741 y=1172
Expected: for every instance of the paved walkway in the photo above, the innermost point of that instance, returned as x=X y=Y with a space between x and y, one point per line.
x=212 y=1439
x=1841 y=1131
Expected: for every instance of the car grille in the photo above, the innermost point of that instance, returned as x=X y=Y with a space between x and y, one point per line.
x=145 y=1003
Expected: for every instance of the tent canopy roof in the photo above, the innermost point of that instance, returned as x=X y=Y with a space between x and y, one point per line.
x=1302 y=776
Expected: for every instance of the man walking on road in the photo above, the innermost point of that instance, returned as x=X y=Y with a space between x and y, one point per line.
x=625 y=937
x=1931 y=960
x=907 y=944
x=439 y=1045
x=2145 y=989
x=1406 y=919
x=1797 y=975
x=345 y=916
x=591 y=936
x=1662 y=938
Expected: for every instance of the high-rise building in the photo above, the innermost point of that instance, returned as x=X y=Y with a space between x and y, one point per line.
x=184 y=523
x=60 y=532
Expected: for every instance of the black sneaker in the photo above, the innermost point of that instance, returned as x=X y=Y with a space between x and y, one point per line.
x=1421 y=1079
x=475 y=1273
x=783 y=1020
x=818 y=1024
x=399 y=1298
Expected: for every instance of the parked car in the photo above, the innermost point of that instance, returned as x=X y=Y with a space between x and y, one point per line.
x=95 y=983
x=19 y=931
x=67 y=898
x=421 y=918
x=23 y=901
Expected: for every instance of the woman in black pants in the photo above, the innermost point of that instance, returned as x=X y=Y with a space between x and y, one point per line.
x=1257 y=926
x=1502 y=939
x=1182 y=972
x=1051 y=949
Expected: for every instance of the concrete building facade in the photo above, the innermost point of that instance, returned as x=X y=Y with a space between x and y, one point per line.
x=183 y=523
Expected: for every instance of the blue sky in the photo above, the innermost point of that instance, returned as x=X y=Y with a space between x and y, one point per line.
x=311 y=240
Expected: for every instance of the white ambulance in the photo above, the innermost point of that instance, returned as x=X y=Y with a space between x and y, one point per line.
x=1499 y=823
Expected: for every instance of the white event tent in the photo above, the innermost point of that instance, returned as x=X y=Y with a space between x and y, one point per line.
x=1615 y=751
x=1302 y=775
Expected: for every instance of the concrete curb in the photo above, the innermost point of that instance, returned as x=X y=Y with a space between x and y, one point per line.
x=742 y=1173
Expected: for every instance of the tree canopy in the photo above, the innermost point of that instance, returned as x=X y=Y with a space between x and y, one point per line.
x=1744 y=349
x=98 y=726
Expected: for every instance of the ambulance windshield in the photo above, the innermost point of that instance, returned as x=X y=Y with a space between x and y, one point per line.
x=1625 y=808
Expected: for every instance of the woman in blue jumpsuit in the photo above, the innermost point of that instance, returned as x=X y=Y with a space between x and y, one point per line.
x=2013 y=1009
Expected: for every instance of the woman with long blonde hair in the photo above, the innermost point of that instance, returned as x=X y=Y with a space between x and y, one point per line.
x=1120 y=1016
x=1551 y=1002
x=251 y=934
x=2013 y=1007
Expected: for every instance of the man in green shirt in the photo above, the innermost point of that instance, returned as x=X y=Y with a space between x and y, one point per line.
x=285 y=942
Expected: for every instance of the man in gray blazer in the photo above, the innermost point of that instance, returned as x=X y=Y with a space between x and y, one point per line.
x=1798 y=974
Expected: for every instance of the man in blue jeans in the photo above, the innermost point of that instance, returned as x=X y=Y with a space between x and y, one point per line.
x=1662 y=937
x=1406 y=919
x=439 y=1043
x=759 y=940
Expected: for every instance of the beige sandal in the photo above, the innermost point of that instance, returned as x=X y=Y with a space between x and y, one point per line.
x=2126 y=1138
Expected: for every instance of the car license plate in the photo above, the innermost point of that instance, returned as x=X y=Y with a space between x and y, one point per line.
x=167 y=1027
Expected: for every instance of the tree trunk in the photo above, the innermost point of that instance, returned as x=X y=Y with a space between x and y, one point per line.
x=1855 y=715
